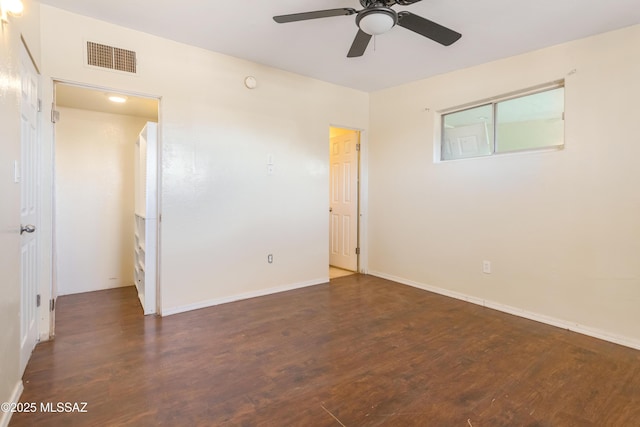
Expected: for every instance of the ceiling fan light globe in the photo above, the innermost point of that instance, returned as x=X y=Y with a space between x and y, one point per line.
x=376 y=22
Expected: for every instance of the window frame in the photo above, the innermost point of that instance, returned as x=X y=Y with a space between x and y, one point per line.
x=493 y=102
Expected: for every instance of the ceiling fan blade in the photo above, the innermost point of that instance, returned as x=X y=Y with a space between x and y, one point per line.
x=359 y=44
x=406 y=2
x=281 y=19
x=429 y=29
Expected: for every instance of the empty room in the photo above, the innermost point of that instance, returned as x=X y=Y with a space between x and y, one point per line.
x=336 y=213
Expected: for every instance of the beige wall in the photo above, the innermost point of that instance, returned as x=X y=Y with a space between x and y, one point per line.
x=221 y=213
x=94 y=199
x=27 y=26
x=561 y=228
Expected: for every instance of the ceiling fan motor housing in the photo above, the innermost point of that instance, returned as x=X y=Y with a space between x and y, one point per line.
x=387 y=3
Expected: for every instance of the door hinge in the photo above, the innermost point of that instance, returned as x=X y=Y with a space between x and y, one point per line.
x=358 y=147
x=52 y=304
x=55 y=115
x=357 y=251
x=38 y=300
x=39 y=105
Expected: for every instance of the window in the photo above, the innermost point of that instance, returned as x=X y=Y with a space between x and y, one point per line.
x=521 y=122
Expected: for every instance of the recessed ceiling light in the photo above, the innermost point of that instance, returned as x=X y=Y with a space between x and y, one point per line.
x=117 y=98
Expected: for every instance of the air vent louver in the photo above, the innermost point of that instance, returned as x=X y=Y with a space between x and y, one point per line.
x=113 y=58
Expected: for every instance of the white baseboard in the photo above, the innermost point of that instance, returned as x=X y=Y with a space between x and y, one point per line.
x=246 y=295
x=549 y=320
x=5 y=417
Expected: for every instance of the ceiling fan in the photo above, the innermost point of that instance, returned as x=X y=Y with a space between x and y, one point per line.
x=377 y=18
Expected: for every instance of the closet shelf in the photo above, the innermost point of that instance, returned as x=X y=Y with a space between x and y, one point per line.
x=145 y=211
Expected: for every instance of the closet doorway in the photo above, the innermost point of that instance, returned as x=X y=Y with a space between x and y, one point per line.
x=96 y=131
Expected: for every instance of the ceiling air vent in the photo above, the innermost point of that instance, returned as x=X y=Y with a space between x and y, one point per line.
x=113 y=58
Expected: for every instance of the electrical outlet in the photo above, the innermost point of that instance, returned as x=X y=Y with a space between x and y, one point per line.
x=270 y=258
x=486 y=267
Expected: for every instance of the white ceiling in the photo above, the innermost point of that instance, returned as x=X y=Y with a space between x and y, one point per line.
x=491 y=29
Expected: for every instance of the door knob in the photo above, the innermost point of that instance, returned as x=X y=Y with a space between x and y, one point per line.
x=330 y=209
x=28 y=228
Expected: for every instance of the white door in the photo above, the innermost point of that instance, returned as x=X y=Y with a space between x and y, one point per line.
x=343 y=207
x=28 y=212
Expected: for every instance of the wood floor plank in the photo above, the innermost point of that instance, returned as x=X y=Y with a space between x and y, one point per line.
x=361 y=351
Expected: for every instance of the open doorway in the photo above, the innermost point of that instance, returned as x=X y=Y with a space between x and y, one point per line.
x=94 y=196
x=344 y=196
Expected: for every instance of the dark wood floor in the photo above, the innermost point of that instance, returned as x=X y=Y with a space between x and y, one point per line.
x=360 y=352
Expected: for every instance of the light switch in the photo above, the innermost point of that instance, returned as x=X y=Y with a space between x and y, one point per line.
x=486 y=267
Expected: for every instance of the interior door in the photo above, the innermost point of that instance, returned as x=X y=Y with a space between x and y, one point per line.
x=343 y=232
x=28 y=208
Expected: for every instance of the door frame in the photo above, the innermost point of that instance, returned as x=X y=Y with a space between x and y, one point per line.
x=52 y=285
x=363 y=197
